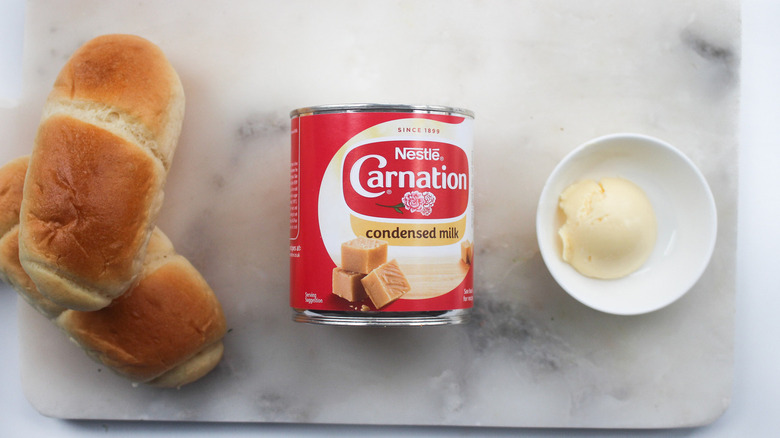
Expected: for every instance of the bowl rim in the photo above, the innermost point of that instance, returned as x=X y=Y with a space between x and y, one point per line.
x=548 y=251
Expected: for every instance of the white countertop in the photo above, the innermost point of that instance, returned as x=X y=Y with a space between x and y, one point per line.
x=756 y=383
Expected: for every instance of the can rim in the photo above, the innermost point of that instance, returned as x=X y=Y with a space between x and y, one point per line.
x=380 y=107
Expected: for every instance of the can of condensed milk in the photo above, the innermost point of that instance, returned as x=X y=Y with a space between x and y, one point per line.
x=381 y=215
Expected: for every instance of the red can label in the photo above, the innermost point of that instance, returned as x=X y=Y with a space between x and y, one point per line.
x=381 y=215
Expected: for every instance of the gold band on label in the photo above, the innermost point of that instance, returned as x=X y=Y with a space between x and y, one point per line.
x=405 y=234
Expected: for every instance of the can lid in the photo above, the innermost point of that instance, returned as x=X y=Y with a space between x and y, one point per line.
x=378 y=108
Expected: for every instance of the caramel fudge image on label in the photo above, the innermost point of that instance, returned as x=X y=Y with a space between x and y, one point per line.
x=386 y=284
x=347 y=285
x=467 y=252
x=359 y=257
x=363 y=255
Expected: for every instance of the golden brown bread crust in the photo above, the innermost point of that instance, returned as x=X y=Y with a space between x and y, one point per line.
x=96 y=175
x=11 y=183
x=88 y=230
x=166 y=319
x=166 y=331
x=131 y=76
x=192 y=369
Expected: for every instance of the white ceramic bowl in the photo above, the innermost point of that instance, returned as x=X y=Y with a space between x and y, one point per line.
x=684 y=207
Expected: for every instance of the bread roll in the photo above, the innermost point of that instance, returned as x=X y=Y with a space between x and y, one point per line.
x=95 y=181
x=165 y=331
x=11 y=184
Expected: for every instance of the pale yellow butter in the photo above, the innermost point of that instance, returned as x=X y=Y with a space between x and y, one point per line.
x=610 y=228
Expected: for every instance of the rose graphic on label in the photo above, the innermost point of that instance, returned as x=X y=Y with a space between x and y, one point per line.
x=416 y=202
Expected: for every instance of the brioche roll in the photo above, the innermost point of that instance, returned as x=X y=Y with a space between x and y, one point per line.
x=96 y=175
x=166 y=330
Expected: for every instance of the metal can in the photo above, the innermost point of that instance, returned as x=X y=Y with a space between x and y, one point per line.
x=381 y=215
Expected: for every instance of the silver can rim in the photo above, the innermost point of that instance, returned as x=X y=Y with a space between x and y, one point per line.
x=379 y=108
x=383 y=319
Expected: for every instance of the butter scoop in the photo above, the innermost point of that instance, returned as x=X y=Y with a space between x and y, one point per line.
x=610 y=228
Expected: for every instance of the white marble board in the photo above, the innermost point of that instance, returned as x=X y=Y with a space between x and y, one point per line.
x=542 y=77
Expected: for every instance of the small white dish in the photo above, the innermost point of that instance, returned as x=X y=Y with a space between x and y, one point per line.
x=684 y=208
